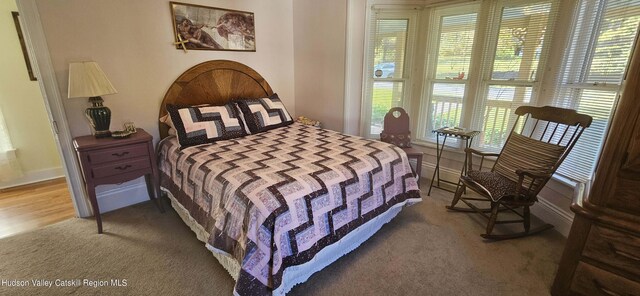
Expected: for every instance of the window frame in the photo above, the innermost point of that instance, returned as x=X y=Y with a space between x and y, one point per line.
x=488 y=61
x=410 y=13
x=479 y=77
x=431 y=64
x=578 y=82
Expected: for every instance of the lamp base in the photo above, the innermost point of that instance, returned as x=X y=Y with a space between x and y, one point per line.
x=102 y=134
x=99 y=117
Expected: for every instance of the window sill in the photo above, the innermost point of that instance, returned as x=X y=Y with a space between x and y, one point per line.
x=556 y=177
x=566 y=181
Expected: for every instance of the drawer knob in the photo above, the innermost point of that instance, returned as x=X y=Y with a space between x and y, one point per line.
x=120 y=154
x=122 y=168
x=623 y=254
x=604 y=290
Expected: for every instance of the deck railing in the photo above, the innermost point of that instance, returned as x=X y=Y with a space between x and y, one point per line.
x=445 y=111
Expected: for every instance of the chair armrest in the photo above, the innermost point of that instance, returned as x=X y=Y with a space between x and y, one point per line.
x=471 y=151
x=532 y=174
x=485 y=154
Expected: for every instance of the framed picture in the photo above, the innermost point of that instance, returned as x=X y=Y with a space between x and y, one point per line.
x=27 y=60
x=211 y=28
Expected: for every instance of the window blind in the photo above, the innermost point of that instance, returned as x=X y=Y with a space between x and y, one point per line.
x=519 y=36
x=388 y=50
x=448 y=74
x=592 y=74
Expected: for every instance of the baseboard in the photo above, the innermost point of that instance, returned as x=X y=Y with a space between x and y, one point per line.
x=545 y=210
x=34 y=177
x=122 y=196
x=553 y=215
x=446 y=174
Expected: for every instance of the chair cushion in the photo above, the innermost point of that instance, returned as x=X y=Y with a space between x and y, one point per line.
x=400 y=140
x=527 y=154
x=493 y=184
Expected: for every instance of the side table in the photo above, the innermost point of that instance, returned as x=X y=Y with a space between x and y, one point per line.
x=445 y=132
x=113 y=161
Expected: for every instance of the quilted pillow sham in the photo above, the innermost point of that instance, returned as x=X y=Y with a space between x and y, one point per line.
x=528 y=154
x=264 y=114
x=197 y=125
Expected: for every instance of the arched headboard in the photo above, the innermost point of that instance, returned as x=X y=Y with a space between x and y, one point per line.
x=213 y=82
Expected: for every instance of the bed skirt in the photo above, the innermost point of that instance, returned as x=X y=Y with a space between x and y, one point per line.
x=298 y=274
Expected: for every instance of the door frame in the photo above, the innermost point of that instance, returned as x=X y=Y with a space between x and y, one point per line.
x=43 y=68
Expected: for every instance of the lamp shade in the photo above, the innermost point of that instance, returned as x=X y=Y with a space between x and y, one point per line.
x=86 y=79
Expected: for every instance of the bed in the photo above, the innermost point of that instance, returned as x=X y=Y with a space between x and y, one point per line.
x=277 y=206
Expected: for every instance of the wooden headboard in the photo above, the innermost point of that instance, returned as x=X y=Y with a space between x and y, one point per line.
x=214 y=82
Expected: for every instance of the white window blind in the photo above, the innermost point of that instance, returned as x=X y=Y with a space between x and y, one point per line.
x=519 y=37
x=593 y=72
x=389 y=53
x=448 y=73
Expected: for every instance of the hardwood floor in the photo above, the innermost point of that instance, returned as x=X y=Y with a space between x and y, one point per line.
x=33 y=206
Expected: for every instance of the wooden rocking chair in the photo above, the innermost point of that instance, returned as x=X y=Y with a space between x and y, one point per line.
x=533 y=151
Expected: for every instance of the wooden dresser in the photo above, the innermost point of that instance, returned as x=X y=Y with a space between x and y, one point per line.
x=602 y=255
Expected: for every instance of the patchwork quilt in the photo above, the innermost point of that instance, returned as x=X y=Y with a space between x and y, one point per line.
x=275 y=199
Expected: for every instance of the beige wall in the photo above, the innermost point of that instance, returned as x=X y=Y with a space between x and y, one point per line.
x=319 y=46
x=132 y=42
x=23 y=107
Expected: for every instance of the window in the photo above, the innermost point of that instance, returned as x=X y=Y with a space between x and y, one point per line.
x=593 y=73
x=511 y=66
x=390 y=49
x=447 y=75
x=483 y=59
x=484 y=67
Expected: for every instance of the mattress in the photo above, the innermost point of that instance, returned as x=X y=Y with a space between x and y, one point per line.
x=271 y=204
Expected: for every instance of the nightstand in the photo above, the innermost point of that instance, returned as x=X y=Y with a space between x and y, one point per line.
x=113 y=161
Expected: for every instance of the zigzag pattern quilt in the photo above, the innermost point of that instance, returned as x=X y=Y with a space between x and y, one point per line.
x=275 y=199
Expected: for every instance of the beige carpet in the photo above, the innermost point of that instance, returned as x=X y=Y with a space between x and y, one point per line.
x=424 y=251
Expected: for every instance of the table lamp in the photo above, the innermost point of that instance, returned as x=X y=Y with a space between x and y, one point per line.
x=86 y=79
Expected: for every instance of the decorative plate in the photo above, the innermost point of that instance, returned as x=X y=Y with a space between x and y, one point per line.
x=120 y=134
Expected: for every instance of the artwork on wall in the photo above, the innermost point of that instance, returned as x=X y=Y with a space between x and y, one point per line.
x=27 y=60
x=209 y=28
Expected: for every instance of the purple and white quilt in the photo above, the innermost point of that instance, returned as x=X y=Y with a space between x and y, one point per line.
x=275 y=199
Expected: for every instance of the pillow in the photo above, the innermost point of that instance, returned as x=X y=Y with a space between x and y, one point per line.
x=264 y=114
x=244 y=121
x=527 y=154
x=166 y=119
x=197 y=125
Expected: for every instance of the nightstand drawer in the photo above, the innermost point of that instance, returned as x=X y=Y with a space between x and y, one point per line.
x=120 y=167
x=118 y=153
x=614 y=248
x=590 y=280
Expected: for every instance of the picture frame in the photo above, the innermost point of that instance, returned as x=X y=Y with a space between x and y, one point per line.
x=23 y=45
x=199 y=27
